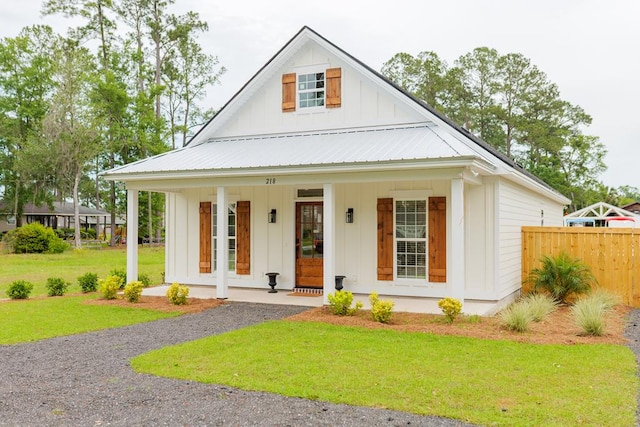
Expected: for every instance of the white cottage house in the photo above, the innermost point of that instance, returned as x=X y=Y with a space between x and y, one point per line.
x=320 y=167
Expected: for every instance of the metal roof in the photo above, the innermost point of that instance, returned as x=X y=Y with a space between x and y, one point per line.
x=355 y=146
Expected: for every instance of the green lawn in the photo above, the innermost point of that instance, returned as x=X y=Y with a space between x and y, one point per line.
x=36 y=268
x=36 y=319
x=479 y=381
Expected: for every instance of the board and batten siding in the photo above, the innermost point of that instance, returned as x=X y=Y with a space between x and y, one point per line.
x=362 y=103
x=518 y=207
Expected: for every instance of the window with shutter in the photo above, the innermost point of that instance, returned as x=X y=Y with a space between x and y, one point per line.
x=307 y=89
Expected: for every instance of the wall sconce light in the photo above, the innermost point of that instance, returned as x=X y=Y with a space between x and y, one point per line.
x=349 y=216
x=272 y=216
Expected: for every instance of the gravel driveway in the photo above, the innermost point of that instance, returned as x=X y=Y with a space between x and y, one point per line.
x=85 y=380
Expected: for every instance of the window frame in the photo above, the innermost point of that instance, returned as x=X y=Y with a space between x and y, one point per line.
x=396 y=266
x=304 y=71
x=231 y=213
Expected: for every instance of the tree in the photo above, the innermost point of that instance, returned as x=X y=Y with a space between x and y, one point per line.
x=68 y=125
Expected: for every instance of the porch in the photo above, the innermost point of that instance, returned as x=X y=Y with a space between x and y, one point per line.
x=283 y=297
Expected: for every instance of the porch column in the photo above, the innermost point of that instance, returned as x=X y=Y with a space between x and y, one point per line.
x=132 y=235
x=328 y=250
x=456 y=256
x=222 y=256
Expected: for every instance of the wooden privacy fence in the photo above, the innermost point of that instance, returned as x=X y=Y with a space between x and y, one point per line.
x=612 y=253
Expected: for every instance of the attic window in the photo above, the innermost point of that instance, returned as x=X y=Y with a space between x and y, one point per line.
x=311 y=90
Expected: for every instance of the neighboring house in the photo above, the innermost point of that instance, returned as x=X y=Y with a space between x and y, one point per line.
x=632 y=207
x=320 y=167
x=59 y=215
x=602 y=214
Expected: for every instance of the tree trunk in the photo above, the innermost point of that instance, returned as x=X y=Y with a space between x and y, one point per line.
x=76 y=211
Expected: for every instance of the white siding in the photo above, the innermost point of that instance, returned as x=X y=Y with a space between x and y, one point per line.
x=519 y=207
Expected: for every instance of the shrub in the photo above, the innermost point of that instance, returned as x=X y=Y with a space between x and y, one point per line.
x=562 y=277
x=110 y=286
x=540 y=306
x=122 y=274
x=516 y=317
x=178 y=294
x=34 y=238
x=20 y=289
x=588 y=314
x=380 y=310
x=56 y=286
x=451 y=308
x=133 y=291
x=340 y=303
x=145 y=279
x=88 y=282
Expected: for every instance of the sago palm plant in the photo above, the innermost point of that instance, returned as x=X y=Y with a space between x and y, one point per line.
x=562 y=277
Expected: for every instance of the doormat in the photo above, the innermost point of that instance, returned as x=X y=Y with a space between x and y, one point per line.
x=306 y=292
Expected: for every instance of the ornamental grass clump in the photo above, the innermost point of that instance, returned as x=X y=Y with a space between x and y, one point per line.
x=110 y=286
x=177 y=294
x=451 y=308
x=340 y=303
x=607 y=299
x=588 y=314
x=562 y=277
x=517 y=317
x=540 y=305
x=19 y=289
x=380 y=309
x=56 y=286
x=133 y=291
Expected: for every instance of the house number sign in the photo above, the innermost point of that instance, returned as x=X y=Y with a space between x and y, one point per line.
x=270 y=181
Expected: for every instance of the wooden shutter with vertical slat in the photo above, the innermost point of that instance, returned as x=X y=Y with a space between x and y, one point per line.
x=205 y=237
x=385 y=239
x=243 y=237
x=289 y=92
x=437 y=239
x=334 y=87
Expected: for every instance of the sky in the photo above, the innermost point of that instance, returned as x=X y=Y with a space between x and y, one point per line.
x=589 y=48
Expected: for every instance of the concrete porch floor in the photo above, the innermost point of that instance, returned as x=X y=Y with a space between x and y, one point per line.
x=411 y=305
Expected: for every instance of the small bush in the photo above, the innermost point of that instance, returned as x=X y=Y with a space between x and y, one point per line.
x=380 y=310
x=133 y=291
x=517 y=317
x=177 y=294
x=20 y=289
x=56 y=286
x=451 y=308
x=57 y=246
x=540 y=306
x=122 y=274
x=88 y=282
x=145 y=279
x=562 y=277
x=110 y=286
x=34 y=238
x=588 y=314
x=340 y=303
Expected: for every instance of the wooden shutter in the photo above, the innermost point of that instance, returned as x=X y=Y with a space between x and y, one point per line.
x=385 y=239
x=289 y=92
x=437 y=239
x=334 y=87
x=205 y=237
x=243 y=237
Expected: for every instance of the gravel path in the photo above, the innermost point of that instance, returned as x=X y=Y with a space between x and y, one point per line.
x=85 y=380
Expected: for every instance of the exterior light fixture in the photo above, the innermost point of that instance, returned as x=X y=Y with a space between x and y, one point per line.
x=349 y=216
x=272 y=216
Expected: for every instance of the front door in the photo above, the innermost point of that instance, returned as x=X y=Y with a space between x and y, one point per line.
x=309 y=245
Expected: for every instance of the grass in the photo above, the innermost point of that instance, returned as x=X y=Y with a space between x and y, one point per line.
x=36 y=319
x=36 y=268
x=478 y=381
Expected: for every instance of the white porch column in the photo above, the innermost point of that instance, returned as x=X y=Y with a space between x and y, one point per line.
x=328 y=232
x=132 y=235
x=222 y=257
x=456 y=254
